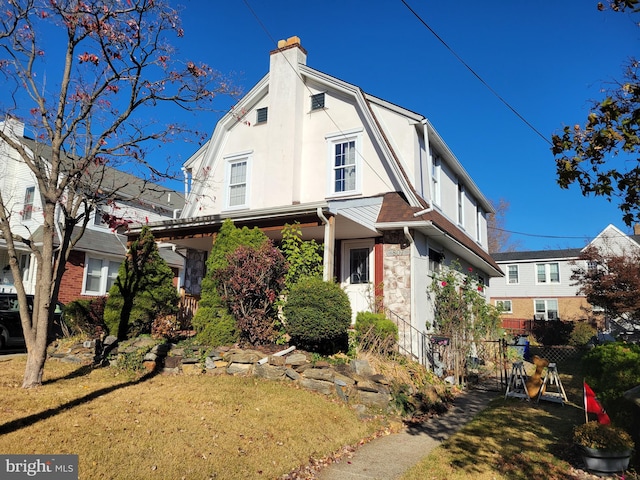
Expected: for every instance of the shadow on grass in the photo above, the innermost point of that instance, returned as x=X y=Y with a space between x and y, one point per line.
x=20 y=423
x=78 y=372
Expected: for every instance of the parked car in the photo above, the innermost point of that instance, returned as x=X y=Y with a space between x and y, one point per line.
x=11 y=334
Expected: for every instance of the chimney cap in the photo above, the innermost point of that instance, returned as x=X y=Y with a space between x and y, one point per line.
x=290 y=42
x=295 y=40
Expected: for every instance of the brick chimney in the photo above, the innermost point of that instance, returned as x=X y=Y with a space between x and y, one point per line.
x=636 y=229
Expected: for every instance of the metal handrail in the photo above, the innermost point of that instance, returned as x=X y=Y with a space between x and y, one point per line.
x=413 y=345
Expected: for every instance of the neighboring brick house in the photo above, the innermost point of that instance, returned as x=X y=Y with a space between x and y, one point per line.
x=93 y=264
x=537 y=284
x=371 y=181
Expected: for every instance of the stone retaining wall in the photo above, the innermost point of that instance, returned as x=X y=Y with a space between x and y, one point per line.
x=354 y=382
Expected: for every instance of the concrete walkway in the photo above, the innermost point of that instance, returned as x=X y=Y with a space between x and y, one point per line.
x=389 y=457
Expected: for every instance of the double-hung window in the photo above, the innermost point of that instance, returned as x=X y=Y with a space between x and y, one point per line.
x=237 y=181
x=504 y=306
x=99 y=275
x=27 y=208
x=345 y=170
x=512 y=275
x=546 y=309
x=547 y=273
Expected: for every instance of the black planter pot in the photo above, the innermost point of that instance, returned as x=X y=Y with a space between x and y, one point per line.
x=605 y=462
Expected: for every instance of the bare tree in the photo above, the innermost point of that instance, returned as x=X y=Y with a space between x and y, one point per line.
x=499 y=239
x=114 y=62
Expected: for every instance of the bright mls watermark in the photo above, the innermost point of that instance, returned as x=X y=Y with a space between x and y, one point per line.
x=49 y=467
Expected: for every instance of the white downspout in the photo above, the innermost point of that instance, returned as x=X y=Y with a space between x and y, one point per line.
x=186 y=182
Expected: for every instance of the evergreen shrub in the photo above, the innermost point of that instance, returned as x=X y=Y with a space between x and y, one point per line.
x=318 y=315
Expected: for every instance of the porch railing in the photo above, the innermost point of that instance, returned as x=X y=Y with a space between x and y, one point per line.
x=187 y=309
x=411 y=342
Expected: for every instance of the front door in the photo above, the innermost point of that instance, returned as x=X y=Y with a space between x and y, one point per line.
x=357 y=275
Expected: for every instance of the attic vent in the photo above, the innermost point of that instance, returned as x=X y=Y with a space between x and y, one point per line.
x=261 y=115
x=317 y=101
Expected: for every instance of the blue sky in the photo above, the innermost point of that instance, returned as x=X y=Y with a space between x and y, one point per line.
x=546 y=59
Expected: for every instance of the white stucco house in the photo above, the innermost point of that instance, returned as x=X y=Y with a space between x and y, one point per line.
x=370 y=180
x=93 y=264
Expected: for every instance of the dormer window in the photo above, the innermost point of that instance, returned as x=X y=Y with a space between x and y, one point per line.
x=261 y=115
x=317 y=101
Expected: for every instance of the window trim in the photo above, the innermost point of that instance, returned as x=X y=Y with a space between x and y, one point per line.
x=436 y=172
x=104 y=274
x=546 y=308
x=547 y=274
x=29 y=202
x=517 y=267
x=341 y=138
x=510 y=310
x=461 y=195
x=229 y=162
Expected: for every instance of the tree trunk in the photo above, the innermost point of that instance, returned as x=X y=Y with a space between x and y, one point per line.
x=35 y=367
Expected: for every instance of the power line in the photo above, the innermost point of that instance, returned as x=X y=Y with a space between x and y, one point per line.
x=475 y=74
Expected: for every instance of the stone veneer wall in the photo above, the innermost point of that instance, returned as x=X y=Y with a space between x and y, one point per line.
x=397 y=274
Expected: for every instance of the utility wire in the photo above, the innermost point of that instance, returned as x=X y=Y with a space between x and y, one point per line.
x=496 y=94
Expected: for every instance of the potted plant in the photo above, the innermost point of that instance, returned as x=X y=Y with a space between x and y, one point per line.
x=606 y=449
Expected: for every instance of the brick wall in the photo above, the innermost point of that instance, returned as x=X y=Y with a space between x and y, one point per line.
x=71 y=285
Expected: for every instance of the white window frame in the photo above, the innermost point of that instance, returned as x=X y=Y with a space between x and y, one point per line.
x=29 y=203
x=517 y=268
x=107 y=272
x=546 y=301
x=479 y=217
x=547 y=273
x=460 y=204
x=231 y=161
x=436 y=169
x=337 y=139
x=503 y=304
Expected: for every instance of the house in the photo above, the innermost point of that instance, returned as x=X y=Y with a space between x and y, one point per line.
x=370 y=180
x=93 y=264
x=537 y=284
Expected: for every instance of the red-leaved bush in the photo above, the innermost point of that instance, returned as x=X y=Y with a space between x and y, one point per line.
x=250 y=285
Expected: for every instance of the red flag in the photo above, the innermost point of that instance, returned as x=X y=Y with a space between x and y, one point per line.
x=593 y=405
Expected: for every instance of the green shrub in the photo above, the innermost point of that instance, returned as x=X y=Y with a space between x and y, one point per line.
x=318 y=315
x=612 y=369
x=143 y=290
x=85 y=316
x=215 y=327
x=211 y=308
x=376 y=333
x=581 y=333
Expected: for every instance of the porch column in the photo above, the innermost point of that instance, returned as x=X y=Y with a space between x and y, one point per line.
x=329 y=248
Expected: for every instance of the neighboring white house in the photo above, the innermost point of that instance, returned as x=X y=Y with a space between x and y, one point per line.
x=93 y=265
x=372 y=181
x=537 y=284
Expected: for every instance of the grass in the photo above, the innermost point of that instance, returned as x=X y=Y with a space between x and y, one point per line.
x=172 y=427
x=514 y=439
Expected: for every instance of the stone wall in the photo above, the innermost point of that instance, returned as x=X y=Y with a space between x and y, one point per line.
x=354 y=382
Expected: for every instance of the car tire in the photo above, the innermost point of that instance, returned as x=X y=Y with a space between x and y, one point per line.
x=2 y=343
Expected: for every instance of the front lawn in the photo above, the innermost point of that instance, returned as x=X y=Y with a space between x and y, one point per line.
x=171 y=427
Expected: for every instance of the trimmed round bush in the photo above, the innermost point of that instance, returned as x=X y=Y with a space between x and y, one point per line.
x=318 y=315
x=376 y=332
